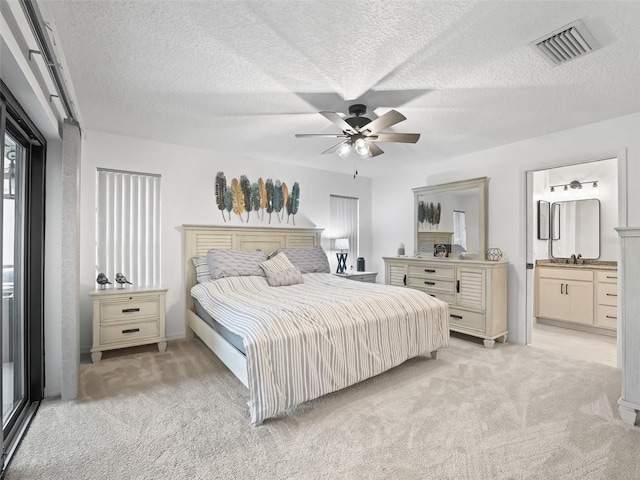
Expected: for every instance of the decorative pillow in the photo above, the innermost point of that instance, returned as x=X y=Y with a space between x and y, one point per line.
x=235 y=263
x=308 y=259
x=280 y=272
x=202 y=269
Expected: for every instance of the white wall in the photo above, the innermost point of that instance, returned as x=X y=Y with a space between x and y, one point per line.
x=506 y=167
x=188 y=197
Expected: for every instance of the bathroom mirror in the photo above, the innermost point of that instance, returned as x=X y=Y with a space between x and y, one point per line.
x=543 y=219
x=576 y=229
x=450 y=219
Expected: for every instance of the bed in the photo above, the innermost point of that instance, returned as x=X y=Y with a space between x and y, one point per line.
x=313 y=333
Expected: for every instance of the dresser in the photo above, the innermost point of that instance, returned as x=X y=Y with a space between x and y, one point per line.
x=126 y=318
x=476 y=291
x=582 y=297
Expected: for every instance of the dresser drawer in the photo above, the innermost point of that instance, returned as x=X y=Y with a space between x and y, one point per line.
x=607 y=316
x=575 y=273
x=134 y=308
x=607 y=276
x=463 y=318
x=439 y=295
x=125 y=332
x=434 y=284
x=366 y=277
x=608 y=294
x=432 y=271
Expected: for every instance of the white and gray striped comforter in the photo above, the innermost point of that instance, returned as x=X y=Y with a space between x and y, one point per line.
x=303 y=341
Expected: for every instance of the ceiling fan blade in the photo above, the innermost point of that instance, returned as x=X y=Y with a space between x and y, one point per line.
x=339 y=121
x=374 y=149
x=390 y=118
x=335 y=148
x=397 y=137
x=321 y=135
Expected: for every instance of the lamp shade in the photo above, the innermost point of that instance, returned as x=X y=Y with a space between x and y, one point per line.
x=342 y=244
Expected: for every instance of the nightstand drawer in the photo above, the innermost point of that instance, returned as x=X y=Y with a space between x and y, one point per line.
x=462 y=318
x=367 y=278
x=125 y=332
x=135 y=308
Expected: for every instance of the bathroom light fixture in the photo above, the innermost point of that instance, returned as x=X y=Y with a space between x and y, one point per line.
x=574 y=184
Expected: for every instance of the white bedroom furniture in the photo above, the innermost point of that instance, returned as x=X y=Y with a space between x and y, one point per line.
x=369 y=277
x=127 y=317
x=629 y=323
x=476 y=291
x=582 y=297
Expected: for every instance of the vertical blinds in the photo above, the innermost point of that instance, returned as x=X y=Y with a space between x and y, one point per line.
x=345 y=223
x=128 y=226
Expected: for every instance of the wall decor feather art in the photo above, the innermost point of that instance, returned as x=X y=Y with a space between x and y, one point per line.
x=240 y=195
x=238 y=198
x=429 y=213
x=269 y=187
x=422 y=214
x=221 y=188
x=255 y=198
x=285 y=198
x=228 y=201
x=262 y=190
x=293 y=203
x=245 y=186
x=277 y=199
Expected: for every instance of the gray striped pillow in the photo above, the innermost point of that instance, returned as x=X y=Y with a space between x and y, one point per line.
x=235 y=263
x=308 y=259
x=202 y=269
x=280 y=272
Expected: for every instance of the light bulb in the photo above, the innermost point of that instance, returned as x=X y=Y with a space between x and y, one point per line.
x=344 y=150
x=362 y=148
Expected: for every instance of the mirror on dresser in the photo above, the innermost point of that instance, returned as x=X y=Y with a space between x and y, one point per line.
x=575 y=229
x=450 y=219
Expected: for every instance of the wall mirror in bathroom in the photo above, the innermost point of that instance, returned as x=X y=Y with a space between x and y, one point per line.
x=544 y=210
x=450 y=219
x=575 y=229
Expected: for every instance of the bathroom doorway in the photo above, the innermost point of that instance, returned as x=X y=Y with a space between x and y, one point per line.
x=572 y=256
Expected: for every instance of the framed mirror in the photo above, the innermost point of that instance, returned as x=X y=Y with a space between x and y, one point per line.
x=576 y=229
x=544 y=210
x=450 y=219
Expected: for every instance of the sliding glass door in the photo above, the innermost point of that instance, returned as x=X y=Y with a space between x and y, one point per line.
x=22 y=243
x=13 y=352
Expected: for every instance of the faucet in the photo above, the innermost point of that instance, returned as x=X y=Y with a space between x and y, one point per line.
x=573 y=259
x=578 y=258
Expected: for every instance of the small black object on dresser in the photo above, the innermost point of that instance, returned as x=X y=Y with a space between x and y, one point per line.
x=360 y=264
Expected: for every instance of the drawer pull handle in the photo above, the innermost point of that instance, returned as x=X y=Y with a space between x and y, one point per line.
x=131 y=330
x=459 y=317
x=404 y=280
x=611 y=276
x=611 y=316
x=428 y=270
x=429 y=283
x=612 y=294
x=432 y=294
x=130 y=310
x=458 y=287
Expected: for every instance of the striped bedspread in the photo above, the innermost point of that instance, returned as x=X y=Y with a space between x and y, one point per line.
x=303 y=341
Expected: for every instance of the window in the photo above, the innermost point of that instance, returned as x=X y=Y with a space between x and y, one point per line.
x=459 y=230
x=128 y=226
x=345 y=223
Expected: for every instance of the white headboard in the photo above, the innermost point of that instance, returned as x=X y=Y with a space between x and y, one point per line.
x=197 y=240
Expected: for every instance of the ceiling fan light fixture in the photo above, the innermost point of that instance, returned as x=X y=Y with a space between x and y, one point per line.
x=362 y=148
x=344 y=150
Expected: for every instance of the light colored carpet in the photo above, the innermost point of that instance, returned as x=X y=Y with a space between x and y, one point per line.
x=513 y=412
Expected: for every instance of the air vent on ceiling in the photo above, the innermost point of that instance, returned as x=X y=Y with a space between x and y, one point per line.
x=569 y=42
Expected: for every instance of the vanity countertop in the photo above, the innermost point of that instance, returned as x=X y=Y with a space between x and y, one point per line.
x=587 y=264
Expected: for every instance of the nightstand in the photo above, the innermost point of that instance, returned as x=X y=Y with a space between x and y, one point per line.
x=369 y=277
x=126 y=318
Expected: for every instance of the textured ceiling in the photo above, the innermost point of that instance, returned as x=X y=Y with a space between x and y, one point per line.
x=242 y=77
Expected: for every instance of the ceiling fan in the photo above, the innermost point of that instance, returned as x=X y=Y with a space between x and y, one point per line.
x=360 y=133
